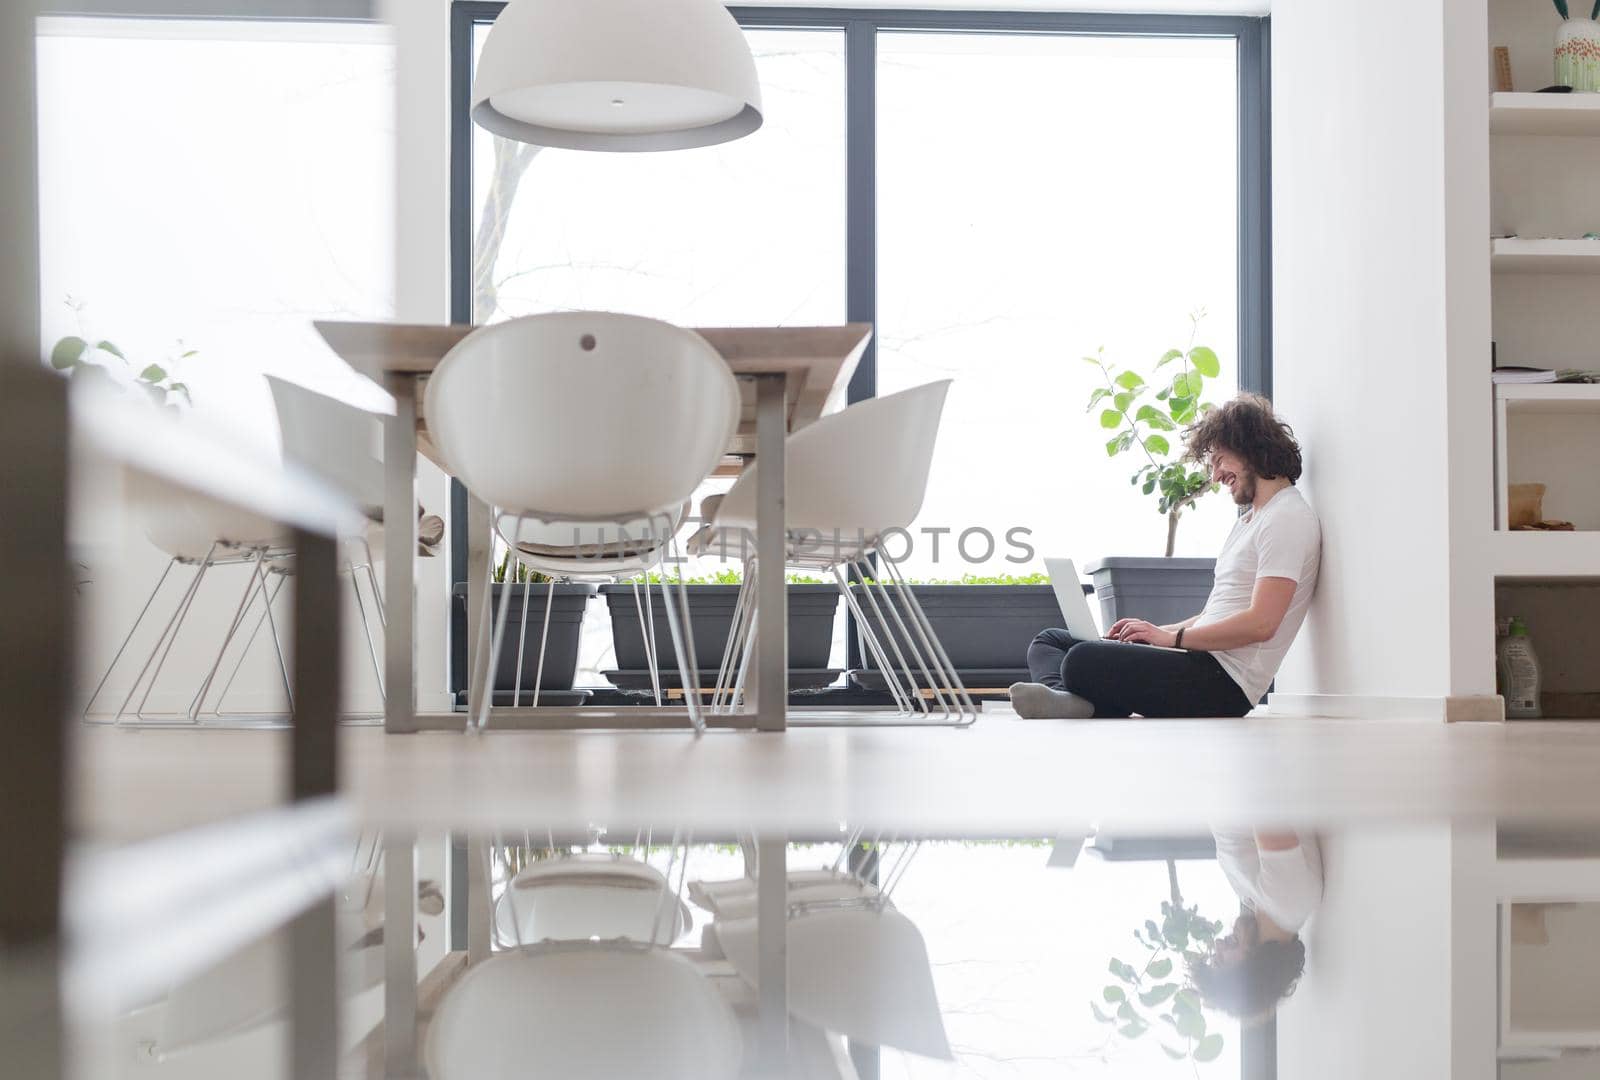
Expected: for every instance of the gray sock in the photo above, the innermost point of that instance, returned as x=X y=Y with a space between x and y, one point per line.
x=1036 y=701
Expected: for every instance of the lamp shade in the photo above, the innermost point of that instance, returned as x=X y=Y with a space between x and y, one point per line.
x=617 y=75
x=584 y=1011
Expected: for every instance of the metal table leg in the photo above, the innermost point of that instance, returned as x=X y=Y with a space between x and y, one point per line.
x=772 y=952
x=400 y=554
x=400 y=1060
x=772 y=622
x=479 y=546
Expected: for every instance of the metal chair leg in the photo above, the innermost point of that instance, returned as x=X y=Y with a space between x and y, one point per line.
x=366 y=629
x=251 y=584
x=544 y=639
x=168 y=636
x=496 y=642
x=101 y=685
x=522 y=632
x=869 y=638
x=270 y=599
x=723 y=691
x=911 y=646
x=932 y=643
x=890 y=672
x=691 y=698
x=648 y=637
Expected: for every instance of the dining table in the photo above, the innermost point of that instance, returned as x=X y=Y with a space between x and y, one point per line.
x=789 y=376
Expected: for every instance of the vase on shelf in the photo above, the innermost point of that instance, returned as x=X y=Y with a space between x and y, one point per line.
x=1578 y=54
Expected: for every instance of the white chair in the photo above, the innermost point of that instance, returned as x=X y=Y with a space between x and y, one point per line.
x=335 y=440
x=852 y=479
x=203 y=534
x=574 y=425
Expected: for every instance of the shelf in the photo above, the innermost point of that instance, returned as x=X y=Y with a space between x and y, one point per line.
x=1544 y=114
x=1523 y=398
x=1546 y=556
x=1519 y=255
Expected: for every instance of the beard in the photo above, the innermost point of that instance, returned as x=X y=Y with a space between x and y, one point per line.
x=1244 y=492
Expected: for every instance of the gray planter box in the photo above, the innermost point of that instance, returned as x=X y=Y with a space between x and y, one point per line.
x=811 y=615
x=566 y=628
x=1158 y=590
x=985 y=629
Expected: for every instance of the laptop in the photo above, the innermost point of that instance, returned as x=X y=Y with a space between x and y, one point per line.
x=1078 y=619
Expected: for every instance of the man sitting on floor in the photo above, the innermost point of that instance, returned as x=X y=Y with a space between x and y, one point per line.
x=1231 y=651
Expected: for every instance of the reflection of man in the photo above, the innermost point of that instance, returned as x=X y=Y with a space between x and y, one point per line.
x=1278 y=878
x=1264 y=579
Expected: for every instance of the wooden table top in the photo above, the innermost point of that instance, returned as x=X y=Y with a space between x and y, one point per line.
x=817 y=362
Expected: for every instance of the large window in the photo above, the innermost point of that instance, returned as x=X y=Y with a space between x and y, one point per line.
x=1041 y=196
x=999 y=194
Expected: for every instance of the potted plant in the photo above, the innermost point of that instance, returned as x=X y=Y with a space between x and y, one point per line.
x=1164 y=589
x=1153 y=987
x=984 y=625
x=812 y=608
x=527 y=589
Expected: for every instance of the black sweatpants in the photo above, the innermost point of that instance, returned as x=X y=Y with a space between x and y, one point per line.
x=1121 y=678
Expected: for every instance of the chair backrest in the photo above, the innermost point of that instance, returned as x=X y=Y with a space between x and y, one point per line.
x=865 y=468
x=331 y=438
x=582 y=415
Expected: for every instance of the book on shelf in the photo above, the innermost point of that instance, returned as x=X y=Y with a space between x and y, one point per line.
x=1515 y=376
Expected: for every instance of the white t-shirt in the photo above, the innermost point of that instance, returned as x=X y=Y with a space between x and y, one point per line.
x=1285 y=885
x=1283 y=540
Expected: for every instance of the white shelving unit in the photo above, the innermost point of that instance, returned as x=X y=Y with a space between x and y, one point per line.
x=1543 y=150
x=1522 y=255
x=1544 y=114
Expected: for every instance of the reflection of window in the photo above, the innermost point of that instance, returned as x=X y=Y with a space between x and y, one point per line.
x=222 y=183
x=746 y=233
x=1085 y=203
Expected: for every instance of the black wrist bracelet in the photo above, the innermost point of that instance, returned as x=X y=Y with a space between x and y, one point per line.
x=1178 y=644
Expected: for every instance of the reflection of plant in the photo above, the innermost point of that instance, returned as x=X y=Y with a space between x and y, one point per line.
x=1180 y=484
x=1150 y=993
x=76 y=356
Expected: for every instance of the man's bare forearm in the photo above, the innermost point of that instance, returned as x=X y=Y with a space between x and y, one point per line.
x=1184 y=625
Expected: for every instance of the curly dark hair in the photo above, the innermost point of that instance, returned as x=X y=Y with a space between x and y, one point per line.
x=1250 y=989
x=1247 y=426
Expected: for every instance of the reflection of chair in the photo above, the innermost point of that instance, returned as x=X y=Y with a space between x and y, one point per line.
x=576 y=897
x=852 y=480
x=581 y=1010
x=587 y=963
x=856 y=965
x=584 y=421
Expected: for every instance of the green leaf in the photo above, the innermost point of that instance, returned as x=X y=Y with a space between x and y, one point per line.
x=1187 y=1001
x=1205 y=361
x=1157 y=444
x=1125 y=1012
x=1114 y=446
x=153 y=374
x=1184 y=386
x=1129 y=380
x=181 y=388
x=191 y=352
x=1110 y=418
x=1149 y=486
x=1132 y=1031
x=1151 y=998
x=1154 y=417
x=1100 y=1016
x=1168 y=357
x=1175 y=1055
x=67 y=353
x=1098 y=396
x=1113 y=994
x=1209 y=1049
x=1161 y=969
x=1123 y=400
x=1124 y=972
x=1151 y=928
x=106 y=346
x=1191 y=1025
x=157 y=394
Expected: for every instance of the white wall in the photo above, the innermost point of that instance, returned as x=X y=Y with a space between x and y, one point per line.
x=1381 y=292
x=1400 y=976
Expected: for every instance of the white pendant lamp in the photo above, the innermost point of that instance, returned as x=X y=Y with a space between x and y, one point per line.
x=617 y=75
